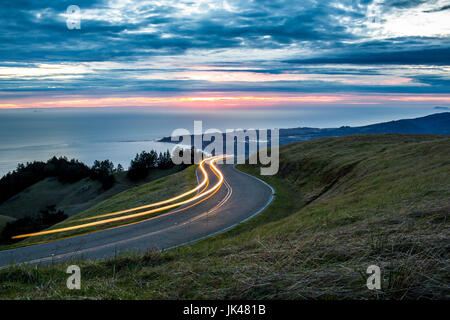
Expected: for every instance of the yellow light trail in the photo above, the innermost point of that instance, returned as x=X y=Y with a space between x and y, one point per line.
x=116 y=213
x=128 y=224
x=136 y=215
x=205 y=181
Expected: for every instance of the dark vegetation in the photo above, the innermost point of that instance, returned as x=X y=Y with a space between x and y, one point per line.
x=141 y=165
x=70 y=171
x=43 y=220
x=145 y=161
x=103 y=172
x=27 y=175
x=67 y=171
x=169 y=183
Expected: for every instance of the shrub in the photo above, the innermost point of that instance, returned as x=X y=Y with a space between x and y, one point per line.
x=46 y=218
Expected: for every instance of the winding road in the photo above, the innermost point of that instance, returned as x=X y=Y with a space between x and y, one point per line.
x=237 y=197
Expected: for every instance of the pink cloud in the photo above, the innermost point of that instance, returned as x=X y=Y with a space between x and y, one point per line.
x=221 y=100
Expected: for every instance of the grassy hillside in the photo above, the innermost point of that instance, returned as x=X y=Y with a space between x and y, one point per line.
x=157 y=190
x=72 y=198
x=341 y=205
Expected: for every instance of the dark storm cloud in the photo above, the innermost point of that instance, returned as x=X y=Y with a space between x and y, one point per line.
x=447 y=7
x=254 y=24
x=403 y=4
x=33 y=32
x=438 y=56
x=24 y=35
x=409 y=4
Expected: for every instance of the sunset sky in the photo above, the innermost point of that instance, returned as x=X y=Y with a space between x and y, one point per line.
x=224 y=54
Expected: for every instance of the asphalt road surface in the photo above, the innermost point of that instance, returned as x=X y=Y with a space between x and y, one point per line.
x=239 y=198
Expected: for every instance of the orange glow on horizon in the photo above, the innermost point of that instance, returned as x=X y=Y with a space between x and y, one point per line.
x=223 y=101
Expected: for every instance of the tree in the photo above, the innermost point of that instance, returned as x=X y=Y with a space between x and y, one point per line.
x=103 y=172
x=46 y=218
x=141 y=165
x=165 y=160
x=28 y=174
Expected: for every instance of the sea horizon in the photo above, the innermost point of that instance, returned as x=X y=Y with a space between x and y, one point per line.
x=117 y=134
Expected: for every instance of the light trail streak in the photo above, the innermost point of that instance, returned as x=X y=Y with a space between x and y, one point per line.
x=135 y=238
x=136 y=215
x=205 y=181
x=136 y=222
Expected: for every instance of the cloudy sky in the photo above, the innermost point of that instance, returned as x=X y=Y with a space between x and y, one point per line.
x=230 y=53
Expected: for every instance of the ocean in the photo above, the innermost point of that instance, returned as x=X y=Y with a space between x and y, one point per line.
x=89 y=134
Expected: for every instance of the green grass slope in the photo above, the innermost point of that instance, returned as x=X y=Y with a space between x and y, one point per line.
x=157 y=190
x=72 y=198
x=341 y=205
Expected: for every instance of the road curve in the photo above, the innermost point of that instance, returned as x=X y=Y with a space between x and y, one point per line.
x=240 y=197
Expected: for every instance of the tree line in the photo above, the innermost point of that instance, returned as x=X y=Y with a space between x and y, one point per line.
x=67 y=171
x=70 y=171
x=141 y=165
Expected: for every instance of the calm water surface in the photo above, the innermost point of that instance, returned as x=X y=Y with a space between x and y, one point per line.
x=118 y=134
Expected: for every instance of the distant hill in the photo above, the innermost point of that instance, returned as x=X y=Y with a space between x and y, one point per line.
x=438 y=123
